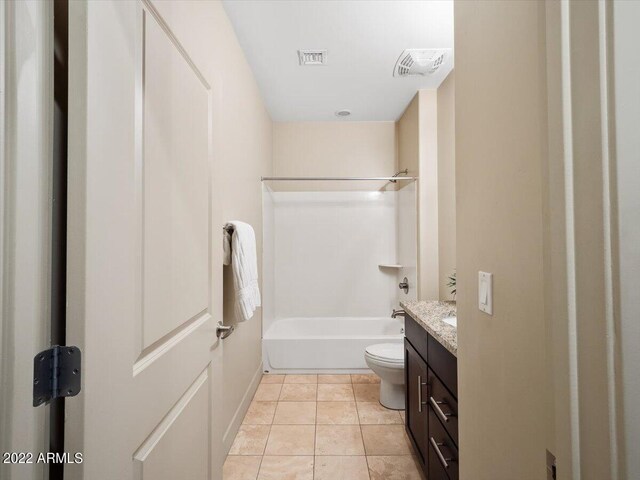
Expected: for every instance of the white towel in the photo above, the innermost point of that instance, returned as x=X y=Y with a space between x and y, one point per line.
x=244 y=260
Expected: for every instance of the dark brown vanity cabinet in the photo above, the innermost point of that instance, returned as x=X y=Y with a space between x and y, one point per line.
x=431 y=418
x=416 y=413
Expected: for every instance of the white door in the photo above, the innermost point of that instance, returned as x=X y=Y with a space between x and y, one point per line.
x=26 y=114
x=140 y=257
x=583 y=267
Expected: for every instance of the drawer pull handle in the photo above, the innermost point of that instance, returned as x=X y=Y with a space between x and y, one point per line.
x=436 y=406
x=420 y=402
x=436 y=446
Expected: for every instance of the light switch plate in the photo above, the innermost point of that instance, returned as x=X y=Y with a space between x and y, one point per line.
x=485 y=292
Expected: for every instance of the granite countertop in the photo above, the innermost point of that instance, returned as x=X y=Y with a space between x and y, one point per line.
x=429 y=315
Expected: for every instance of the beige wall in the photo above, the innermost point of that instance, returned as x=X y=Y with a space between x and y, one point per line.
x=500 y=149
x=408 y=157
x=417 y=152
x=244 y=146
x=425 y=137
x=242 y=133
x=333 y=149
x=408 y=138
x=428 y=254
x=446 y=185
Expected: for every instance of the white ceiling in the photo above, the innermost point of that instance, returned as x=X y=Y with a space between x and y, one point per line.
x=363 y=38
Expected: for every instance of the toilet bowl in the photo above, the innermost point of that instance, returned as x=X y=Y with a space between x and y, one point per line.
x=387 y=361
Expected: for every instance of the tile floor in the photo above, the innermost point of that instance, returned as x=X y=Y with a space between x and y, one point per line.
x=320 y=427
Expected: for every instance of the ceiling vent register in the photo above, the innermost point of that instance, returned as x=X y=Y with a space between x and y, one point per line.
x=417 y=61
x=312 y=57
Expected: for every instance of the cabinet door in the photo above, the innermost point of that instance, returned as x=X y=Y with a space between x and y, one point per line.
x=416 y=404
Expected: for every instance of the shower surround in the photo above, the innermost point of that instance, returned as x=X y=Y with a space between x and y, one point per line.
x=325 y=295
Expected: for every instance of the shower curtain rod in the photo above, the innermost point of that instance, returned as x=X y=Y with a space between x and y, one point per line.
x=388 y=179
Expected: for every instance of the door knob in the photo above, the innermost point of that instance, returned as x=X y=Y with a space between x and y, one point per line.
x=404 y=285
x=223 y=331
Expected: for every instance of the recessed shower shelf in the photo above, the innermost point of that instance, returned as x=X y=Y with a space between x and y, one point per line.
x=389 y=265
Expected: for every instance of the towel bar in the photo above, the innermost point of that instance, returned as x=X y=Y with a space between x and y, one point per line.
x=227 y=229
x=223 y=331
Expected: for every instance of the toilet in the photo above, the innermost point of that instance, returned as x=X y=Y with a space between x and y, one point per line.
x=387 y=361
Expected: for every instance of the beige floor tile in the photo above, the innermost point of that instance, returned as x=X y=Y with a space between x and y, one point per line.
x=291 y=440
x=385 y=440
x=335 y=393
x=292 y=392
x=301 y=379
x=367 y=392
x=250 y=440
x=241 y=467
x=286 y=468
x=260 y=413
x=365 y=378
x=341 y=468
x=337 y=413
x=334 y=378
x=372 y=413
x=402 y=415
x=271 y=378
x=338 y=440
x=295 y=413
x=267 y=392
x=393 y=468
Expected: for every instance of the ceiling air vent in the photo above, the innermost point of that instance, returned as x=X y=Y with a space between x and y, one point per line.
x=312 y=57
x=417 y=61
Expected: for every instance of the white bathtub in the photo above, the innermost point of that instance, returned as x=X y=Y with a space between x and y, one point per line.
x=329 y=345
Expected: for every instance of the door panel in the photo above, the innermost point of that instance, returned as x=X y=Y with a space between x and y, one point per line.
x=176 y=187
x=165 y=455
x=140 y=258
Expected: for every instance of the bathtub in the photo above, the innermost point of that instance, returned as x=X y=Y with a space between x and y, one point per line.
x=326 y=345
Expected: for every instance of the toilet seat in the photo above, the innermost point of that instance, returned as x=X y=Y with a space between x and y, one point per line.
x=387 y=353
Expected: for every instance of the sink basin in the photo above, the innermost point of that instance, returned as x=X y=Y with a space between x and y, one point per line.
x=453 y=321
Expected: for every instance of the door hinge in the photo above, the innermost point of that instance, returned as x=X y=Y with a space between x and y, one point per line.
x=56 y=373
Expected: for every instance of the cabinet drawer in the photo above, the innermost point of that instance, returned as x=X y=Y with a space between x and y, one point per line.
x=444 y=405
x=442 y=451
x=417 y=335
x=436 y=470
x=444 y=364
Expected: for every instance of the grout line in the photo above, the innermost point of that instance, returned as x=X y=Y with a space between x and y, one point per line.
x=268 y=434
x=366 y=459
x=364 y=448
x=315 y=437
x=263 y=452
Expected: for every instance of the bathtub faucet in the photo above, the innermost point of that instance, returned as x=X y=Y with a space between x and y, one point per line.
x=395 y=313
